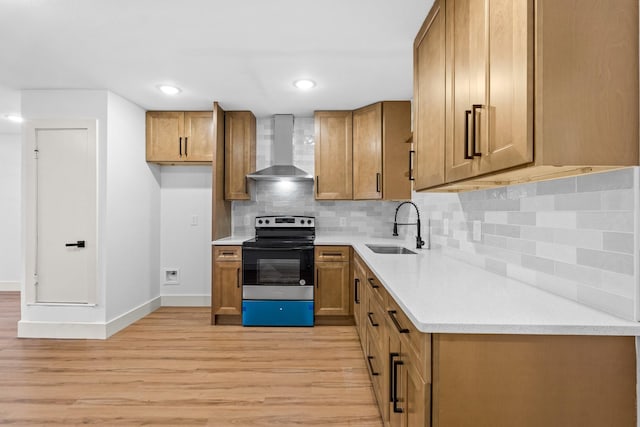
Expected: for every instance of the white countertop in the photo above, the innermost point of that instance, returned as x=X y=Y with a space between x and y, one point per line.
x=441 y=294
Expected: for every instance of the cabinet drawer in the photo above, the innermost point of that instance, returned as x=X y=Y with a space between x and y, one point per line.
x=374 y=319
x=375 y=288
x=227 y=253
x=332 y=253
x=375 y=365
x=415 y=342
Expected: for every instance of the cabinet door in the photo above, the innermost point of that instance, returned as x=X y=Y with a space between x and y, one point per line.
x=227 y=288
x=333 y=155
x=165 y=136
x=396 y=135
x=466 y=83
x=198 y=136
x=429 y=100
x=409 y=404
x=359 y=298
x=332 y=296
x=367 y=152
x=240 y=153
x=505 y=129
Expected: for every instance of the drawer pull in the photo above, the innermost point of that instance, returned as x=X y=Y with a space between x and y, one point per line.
x=392 y=314
x=369 y=358
x=373 y=323
x=228 y=253
x=373 y=285
x=356 y=285
x=392 y=356
x=331 y=254
x=396 y=409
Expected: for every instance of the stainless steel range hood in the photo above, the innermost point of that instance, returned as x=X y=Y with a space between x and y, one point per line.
x=282 y=168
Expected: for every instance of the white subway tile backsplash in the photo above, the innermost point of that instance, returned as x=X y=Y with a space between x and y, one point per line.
x=610 y=221
x=574 y=237
x=618 y=242
x=619 y=263
x=556 y=252
x=557 y=219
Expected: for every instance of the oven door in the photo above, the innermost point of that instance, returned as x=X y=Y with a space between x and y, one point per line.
x=284 y=273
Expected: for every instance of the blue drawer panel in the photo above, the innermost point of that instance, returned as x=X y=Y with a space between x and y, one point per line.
x=277 y=313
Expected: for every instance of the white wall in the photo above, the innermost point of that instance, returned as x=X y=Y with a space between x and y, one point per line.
x=10 y=241
x=185 y=194
x=132 y=212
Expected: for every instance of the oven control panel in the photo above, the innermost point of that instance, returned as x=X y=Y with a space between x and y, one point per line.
x=285 y=222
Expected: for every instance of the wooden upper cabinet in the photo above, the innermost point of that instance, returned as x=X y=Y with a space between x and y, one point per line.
x=491 y=81
x=429 y=100
x=333 y=155
x=531 y=93
x=179 y=136
x=198 y=133
x=381 y=152
x=240 y=153
x=367 y=152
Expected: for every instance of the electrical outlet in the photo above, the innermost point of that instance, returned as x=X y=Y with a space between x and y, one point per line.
x=343 y=222
x=477 y=231
x=247 y=220
x=445 y=226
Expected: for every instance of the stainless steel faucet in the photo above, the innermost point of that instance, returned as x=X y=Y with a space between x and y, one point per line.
x=419 y=241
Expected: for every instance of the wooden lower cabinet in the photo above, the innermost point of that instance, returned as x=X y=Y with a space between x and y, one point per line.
x=359 y=297
x=226 y=287
x=485 y=380
x=332 y=296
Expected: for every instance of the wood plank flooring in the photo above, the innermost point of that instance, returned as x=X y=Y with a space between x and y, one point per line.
x=174 y=368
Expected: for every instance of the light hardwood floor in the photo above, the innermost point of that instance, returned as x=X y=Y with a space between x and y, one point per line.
x=174 y=368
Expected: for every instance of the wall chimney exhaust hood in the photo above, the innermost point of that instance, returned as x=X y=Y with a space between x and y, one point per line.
x=282 y=154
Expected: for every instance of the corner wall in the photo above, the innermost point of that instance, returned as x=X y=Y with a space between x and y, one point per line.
x=132 y=217
x=10 y=215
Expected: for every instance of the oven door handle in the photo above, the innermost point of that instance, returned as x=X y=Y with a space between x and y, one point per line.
x=289 y=248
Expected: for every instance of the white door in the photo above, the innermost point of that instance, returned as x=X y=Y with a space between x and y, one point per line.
x=65 y=214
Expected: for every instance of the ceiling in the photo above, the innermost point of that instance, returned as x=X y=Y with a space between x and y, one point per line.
x=244 y=54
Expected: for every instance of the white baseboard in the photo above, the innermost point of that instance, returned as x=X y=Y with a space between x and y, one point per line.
x=186 y=300
x=79 y=330
x=132 y=316
x=61 y=330
x=9 y=286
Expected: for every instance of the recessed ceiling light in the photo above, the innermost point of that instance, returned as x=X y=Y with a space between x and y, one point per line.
x=304 y=84
x=15 y=118
x=169 y=90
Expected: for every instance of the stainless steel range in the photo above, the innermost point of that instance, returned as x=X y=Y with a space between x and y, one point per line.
x=278 y=272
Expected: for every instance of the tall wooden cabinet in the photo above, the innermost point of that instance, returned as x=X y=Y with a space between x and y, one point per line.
x=226 y=291
x=381 y=154
x=179 y=136
x=533 y=89
x=240 y=153
x=333 y=154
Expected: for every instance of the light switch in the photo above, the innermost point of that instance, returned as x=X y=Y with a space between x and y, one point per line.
x=445 y=226
x=194 y=220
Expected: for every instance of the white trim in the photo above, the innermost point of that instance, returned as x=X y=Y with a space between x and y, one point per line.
x=186 y=300
x=61 y=330
x=132 y=316
x=85 y=330
x=9 y=286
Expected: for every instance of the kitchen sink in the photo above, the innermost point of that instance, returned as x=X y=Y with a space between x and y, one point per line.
x=395 y=250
